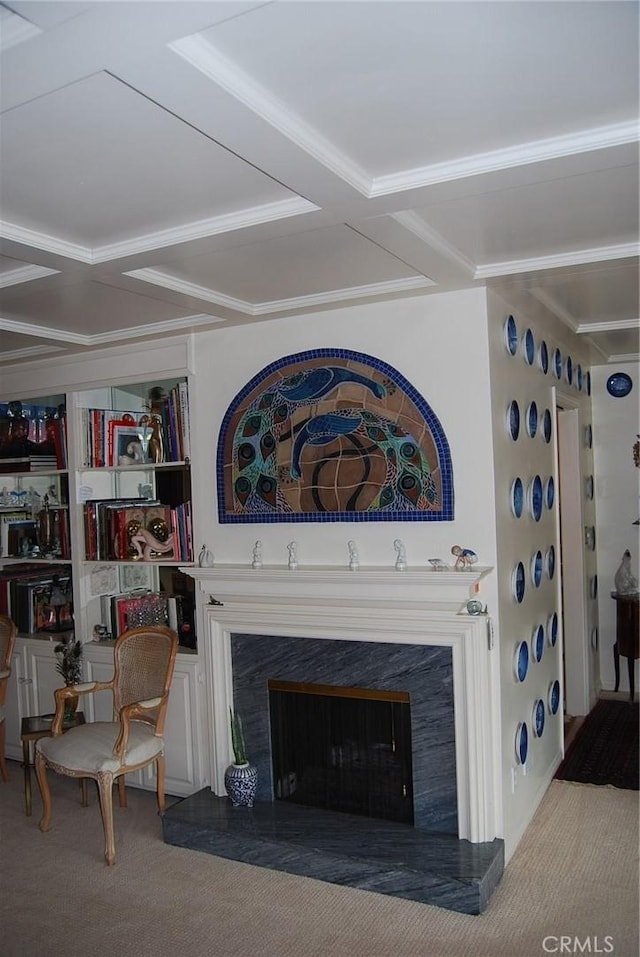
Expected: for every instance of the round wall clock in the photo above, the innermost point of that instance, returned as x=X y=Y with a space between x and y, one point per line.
x=619 y=385
x=511 y=335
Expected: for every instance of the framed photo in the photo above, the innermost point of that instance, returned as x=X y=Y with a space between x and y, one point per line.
x=127 y=447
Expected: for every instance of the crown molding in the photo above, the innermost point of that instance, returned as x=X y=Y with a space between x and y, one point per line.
x=185 y=323
x=557 y=260
x=14 y=277
x=625 y=357
x=392 y=287
x=29 y=352
x=614 y=325
x=50 y=244
x=546 y=299
x=524 y=154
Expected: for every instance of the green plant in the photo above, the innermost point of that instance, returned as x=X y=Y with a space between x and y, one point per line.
x=237 y=738
x=69 y=663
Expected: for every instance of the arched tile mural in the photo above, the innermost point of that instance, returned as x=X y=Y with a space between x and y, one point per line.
x=332 y=435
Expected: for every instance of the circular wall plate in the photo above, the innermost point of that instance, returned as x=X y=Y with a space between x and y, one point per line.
x=532 y=419
x=549 y=492
x=579 y=377
x=588 y=436
x=535 y=498
x=619 y=384
x=593 y=586
x=553 y=696
x=529 y=347
x=590 y=537
x=517 y=497
x=587 y=382
x=537 y=718
x=557 y=364
x=551 y=562
x=588 y=487
x=543 y=357
x=537 y=565
x=552 y=629
x=568 y=370
x=513 y=420
x=522 y=743
x=594 y=638
x=537 y=642
x=518 y=582
x=521 y=660
x=511 y=335
x=547 y=426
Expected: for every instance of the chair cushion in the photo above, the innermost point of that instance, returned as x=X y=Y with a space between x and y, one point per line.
x=89 y=747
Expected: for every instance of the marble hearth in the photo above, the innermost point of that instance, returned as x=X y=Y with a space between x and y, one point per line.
x=377 y=628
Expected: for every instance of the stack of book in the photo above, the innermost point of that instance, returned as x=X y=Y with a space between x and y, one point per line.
x=126 y=530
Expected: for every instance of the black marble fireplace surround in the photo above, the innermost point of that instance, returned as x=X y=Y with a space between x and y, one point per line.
x=426 y=862
x=424 y=671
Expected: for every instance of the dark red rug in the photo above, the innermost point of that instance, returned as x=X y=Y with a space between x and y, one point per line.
x=605 y=749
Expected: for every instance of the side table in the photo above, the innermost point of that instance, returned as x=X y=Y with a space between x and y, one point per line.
x=627 y=636
x=39 y=726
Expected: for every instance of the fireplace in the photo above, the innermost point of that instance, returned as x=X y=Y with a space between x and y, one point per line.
x=342 y=749
x=377 y=634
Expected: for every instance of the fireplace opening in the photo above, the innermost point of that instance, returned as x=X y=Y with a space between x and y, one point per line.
x=342 y=749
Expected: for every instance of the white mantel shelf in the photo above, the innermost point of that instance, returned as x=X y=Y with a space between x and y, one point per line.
x=332 y=582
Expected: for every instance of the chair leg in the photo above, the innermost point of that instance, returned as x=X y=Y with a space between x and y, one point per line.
x=41 y=774
x=105 y=791
x=160 y=783
x=3 y=763
x=122 y=791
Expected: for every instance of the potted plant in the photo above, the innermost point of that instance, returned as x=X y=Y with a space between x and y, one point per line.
x=241 y=777
x=68 y=653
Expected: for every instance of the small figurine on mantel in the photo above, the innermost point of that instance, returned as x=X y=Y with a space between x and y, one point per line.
x=257 y=555
x=354 y=560
x=293 y=554
x=401 y=555
x=625 y=581
x=465 y=557
x=205 y=558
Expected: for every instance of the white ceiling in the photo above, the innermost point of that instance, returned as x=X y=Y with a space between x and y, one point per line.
x=169 y=166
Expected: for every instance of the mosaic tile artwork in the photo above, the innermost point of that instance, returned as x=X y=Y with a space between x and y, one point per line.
x=332 y=435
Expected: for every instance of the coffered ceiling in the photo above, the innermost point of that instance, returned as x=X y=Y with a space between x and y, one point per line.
x=172 y=166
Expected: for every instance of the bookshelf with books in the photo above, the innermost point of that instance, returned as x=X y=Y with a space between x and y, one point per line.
x=35 y=533
x=134 y=504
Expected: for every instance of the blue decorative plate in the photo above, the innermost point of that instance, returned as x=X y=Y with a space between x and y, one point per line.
x=522 y=743
x=536 y=498
x=579 y=377
x=543 y=357
x=547 y=426
x=594 y=638
x=587 y=382
x=552 y=629
x=537 y=642
x=537 y=565
x=553 y=696
x=588 y=436
x=619 y=384
x=593 y=587
x=517 y=497
x=549 y=492
x=513 y=420
x=551 y=562
x=557 y=364
x=511 y=336
x=537 y=718
x=532 y=419
x=588 y=487
x=590 y=537
x=529 y=347
x=568 y=369
x=522 y=660
x=518 y=582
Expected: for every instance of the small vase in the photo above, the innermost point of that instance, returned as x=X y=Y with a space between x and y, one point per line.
x=240 y=781
x=70 y=706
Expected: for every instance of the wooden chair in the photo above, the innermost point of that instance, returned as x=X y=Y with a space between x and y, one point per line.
x=8 y=632
x=144 y=659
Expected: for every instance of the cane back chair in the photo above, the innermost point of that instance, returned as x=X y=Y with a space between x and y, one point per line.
x=144 y=659
x=8 y=633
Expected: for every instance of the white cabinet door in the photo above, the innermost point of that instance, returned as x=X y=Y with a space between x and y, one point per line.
x=45 y=680
x=17 y=704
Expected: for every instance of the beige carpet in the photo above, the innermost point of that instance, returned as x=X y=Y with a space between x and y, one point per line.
x=575 y=874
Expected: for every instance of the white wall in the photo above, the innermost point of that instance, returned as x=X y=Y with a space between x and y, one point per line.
x=616 y=424
x=439 y=344
x=518 y=539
